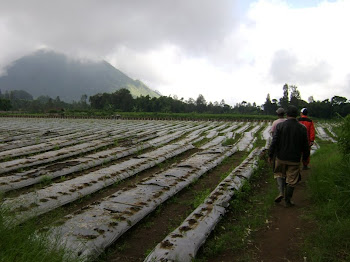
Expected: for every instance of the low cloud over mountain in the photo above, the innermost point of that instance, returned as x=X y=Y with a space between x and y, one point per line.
x=53 y=74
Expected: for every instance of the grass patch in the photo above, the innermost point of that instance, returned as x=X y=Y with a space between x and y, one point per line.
x=232 y=141
x=260 y=141
x=229 y=142
x=45 y=180
x=201 y=142
x=329 y=187
x=199 y=197
x=248 y=211
x=21 y=243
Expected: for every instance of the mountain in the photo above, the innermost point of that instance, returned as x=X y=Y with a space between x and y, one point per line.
x=53 y=74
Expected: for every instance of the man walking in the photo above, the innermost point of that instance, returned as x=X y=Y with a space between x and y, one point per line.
x=281 y=181
x=289 y=145
x=280 y=113
x=310 y=132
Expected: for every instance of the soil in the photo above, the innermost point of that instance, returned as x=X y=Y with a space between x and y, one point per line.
x=280 y=240
x=137 y=242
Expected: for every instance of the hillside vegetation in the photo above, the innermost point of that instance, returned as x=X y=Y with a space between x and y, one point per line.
x=46 y=73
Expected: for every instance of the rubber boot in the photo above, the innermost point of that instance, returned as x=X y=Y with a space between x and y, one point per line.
x=288 y=196
x=281 y=182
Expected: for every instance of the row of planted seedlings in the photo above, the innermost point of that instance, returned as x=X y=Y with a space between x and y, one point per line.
x=80 y=135
x=36 y=166
x=133 y=135
x=323 y=131
x=25 y=178
x=183 y=243
x=211 y=143
x=41 y=201
x=136 y=140
x=129 y=206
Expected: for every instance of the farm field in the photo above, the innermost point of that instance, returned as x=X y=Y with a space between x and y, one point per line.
x=88 y=182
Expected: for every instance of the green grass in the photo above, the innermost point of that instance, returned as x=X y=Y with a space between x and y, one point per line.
x=149 y=115
x=329 y=187
x=45 y=180
x=22 y=243
x=260 y=142
x=232 y=141
x=229 y=141
x=201 y=142
x=199 y=197
x=248 y=211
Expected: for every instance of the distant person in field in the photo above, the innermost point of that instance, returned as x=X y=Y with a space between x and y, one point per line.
x=280 y=113
x=310 y=132
x=290 y=146
x=281 y=181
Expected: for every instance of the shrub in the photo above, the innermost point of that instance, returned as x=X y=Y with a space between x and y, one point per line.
x=344 y=136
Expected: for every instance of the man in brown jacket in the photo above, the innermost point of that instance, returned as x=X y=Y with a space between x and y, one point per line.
x=290 y=145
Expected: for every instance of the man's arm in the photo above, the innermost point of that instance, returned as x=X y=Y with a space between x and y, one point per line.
x=312 y=133
x=273 y=146
x=305 y=145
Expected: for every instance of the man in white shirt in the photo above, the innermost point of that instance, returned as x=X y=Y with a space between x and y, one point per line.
x=280 y=113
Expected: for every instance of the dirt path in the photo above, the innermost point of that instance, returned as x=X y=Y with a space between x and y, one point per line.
x=282 y=239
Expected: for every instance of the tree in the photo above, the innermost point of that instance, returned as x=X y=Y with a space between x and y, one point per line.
x=201 y=103
x=5 y=104
x=269 y=109
x=96 y=101
x=57 y=99
x=142 y=104
x=339 y=105
x=122 y=100
x=338 y=100
x=43 y=99
x=284 y=101
x=83 y=99
x=294 y=96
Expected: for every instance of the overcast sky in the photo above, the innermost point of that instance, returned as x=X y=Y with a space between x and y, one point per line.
x=222 y=49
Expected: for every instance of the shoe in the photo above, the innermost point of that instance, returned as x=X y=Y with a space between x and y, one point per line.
x=306 y=167
x=278 y=198
x=288 y=196
x=289 y=204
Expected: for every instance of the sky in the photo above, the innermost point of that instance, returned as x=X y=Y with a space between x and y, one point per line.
x=236 y=50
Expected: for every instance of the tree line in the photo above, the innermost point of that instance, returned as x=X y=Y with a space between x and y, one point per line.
x=22 y=101
x=326 y=109
x=122 y=101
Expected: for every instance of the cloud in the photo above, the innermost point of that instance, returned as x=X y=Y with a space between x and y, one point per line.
x=148 y=40
x=285 y=66
x=301 y=46
x=100 y=26
x=225 y=49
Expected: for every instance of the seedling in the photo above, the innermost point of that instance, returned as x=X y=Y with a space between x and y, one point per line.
x=45 y=180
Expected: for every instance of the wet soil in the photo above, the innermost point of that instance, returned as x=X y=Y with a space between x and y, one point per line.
x=142 y=238
x=282 y=237
x=278 y=240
